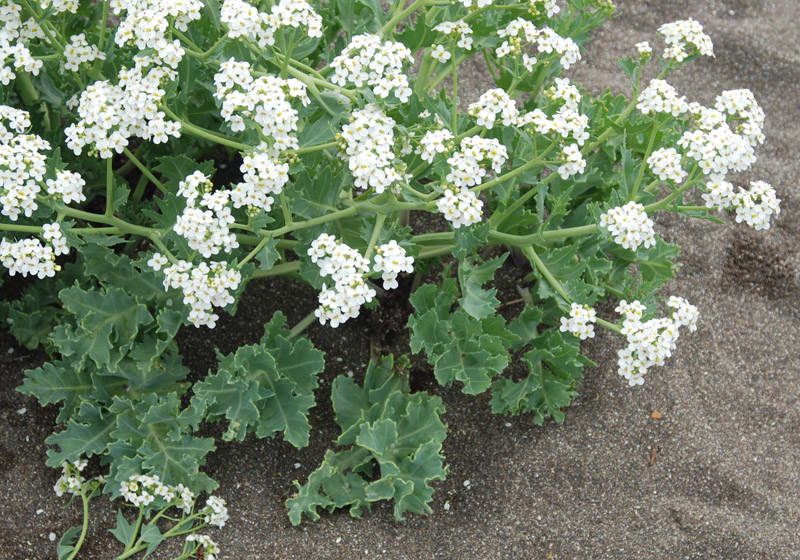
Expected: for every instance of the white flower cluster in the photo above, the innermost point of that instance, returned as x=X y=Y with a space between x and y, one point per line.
x=68 y=186
x=455 y=30
x=574 y=164
x=111 y=114
x=143 y=490
x=347 y=268
x=546 y=40
x=216 y=513
x=146 y=25
x=651 y=342
x=22 y=164
x=78 y=51
x=434 y=142
x=684 y=38
x=60 y=5
x=244 y=20
x=264 y=175
x=204 y=224
x=660 y=97
x=630 y=226
x=491 y=104
x=13 y=34
x=29 y=256
x=210 y=548
x=666 y=164
x=719 y=194
x=460 y=206
x=204 y=286
x=580 y=321
x=566 y=121
x=742 y=104
x=391 y=260
x=714 y=145
x=467 y=166
x=644 y=48
x=70 y=482
x=367 y=61
x=264 y=99
x=477 y=3
x=756 y=206
x=368 y=144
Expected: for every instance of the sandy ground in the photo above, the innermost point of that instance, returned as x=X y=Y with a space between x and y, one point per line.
x=716 y=477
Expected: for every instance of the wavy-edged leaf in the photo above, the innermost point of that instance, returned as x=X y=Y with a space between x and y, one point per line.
x=397 y=432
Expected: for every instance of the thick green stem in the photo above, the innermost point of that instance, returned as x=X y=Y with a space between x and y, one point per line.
x=85 y=526
x=144 y=170
x=542 y=268
x=376 y=234
x=317 y=148
x=304 y=323
x=278 y=270
x=109 y=188
x=644 y=162
x=606 y=324
x=397 y=18
x=199 y=132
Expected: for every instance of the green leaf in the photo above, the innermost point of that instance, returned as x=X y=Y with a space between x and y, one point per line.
x=476 y=301
x=108 y=320
x=555 y=369
x=56 y=382
x=153 y=537
x=459 y=346
x=87 y=436
x=264 y=388
x=124 y=531
x=629 y=66
x=398 y=432
x=268 y=255
x=66 y=544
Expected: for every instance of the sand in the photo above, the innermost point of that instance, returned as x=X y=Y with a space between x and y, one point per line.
x=715 y=477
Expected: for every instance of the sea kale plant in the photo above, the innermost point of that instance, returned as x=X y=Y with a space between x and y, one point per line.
x=159 y=156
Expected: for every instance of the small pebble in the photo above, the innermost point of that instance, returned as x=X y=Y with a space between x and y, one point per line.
x=338 y=540
x=508 y=424
x=467 y=483
x=39 y=511
x=339 y=359
x=52 y=537
x=297 y=465
x=10 y=350
x=349 y=373
x=447 y=506
x=22 y=410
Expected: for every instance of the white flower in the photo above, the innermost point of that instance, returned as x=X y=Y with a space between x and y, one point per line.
x=347 y=267
x=666 y=164
x=440 y=53
x=684 y=38
x=652 y=342
x=630 y=226
x=660 y=97
x=210 y=548
x=391 y=260
x=368 y=62
x=580 y=321
x=216 y=513
x=368 y=144
x=756 y=206
x=491 y=104
x=460 y=206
